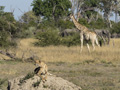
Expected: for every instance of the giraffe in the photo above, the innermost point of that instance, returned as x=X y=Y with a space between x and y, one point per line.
x=86 y=34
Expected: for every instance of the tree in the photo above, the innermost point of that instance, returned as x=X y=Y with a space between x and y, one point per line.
x=116 y=9
x=107 y=7
x=1 y=10
x=51 y=9
x=8 y=23
x=86 y=9
x=8 y=27
x=29 y=17
x=76 y=5
x=89 y=9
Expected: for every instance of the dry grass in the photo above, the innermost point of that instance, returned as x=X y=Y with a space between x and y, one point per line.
x=98 y=70
x=90 y=76
x=70 y=54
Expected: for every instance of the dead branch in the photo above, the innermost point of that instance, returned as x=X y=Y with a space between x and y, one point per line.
x=14 y=57
x=8 y=54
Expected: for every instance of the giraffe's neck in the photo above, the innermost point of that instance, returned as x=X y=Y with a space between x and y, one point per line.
x=79 y=26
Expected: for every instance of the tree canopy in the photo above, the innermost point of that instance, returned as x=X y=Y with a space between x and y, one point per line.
x=54 y=9
x=90 y=9
x=8 y=27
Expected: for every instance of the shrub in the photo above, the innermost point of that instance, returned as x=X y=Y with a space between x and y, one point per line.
x=98 y=24
x=2 y=81
x=83 y=22
x=47 y=38
x=5 y=40
x=8 y=29
x=28 y=76
x=36 y=84
x=46 y=25
x=26 y=32
x=62 y=24
x=115 y=28
x=52 y=37
x=71 y=40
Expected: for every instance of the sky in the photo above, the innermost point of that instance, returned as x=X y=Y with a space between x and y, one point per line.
x=19 y=6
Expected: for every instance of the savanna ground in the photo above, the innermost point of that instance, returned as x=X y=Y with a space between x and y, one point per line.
x=98 y=70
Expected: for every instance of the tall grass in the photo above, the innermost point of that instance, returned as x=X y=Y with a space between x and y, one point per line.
x=110 y=53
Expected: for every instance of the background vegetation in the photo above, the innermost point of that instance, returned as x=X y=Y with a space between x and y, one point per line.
x=49 y=18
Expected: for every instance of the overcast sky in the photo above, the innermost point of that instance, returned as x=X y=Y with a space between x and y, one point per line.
x=20 y=6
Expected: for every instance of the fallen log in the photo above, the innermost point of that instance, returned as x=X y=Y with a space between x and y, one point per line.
x=8 y=54
x=14 y=57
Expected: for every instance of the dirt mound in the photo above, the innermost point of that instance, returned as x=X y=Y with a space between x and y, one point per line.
x=52 y=83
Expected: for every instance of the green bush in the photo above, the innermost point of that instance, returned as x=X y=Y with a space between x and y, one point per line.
x=27 y=33
x=62 y=24
x=70 y=40
x=47 y=38
x=46 y=25
x=115 y=28
x=2 y=81
x=5 y=40
x=83 y=22
x=8 y=29
x=28 y=76
x=52 y=37
x=36 y=84
x=99 y=24
x=8 y=23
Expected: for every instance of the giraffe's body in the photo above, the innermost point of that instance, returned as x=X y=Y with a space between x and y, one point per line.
x=86 y=34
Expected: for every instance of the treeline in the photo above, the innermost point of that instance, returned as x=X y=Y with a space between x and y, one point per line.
x=50 y=18
x=8 y=28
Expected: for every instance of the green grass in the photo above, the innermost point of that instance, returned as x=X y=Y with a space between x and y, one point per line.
x=28 y=76
x=89 y=76
x=3 y=82
x=36 y=84
x=10 y=62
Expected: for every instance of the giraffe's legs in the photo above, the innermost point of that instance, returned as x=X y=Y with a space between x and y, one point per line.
x=81 y=39
x=88 y=47
x=93 y=44
x=81 y=45
x=96 y=41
